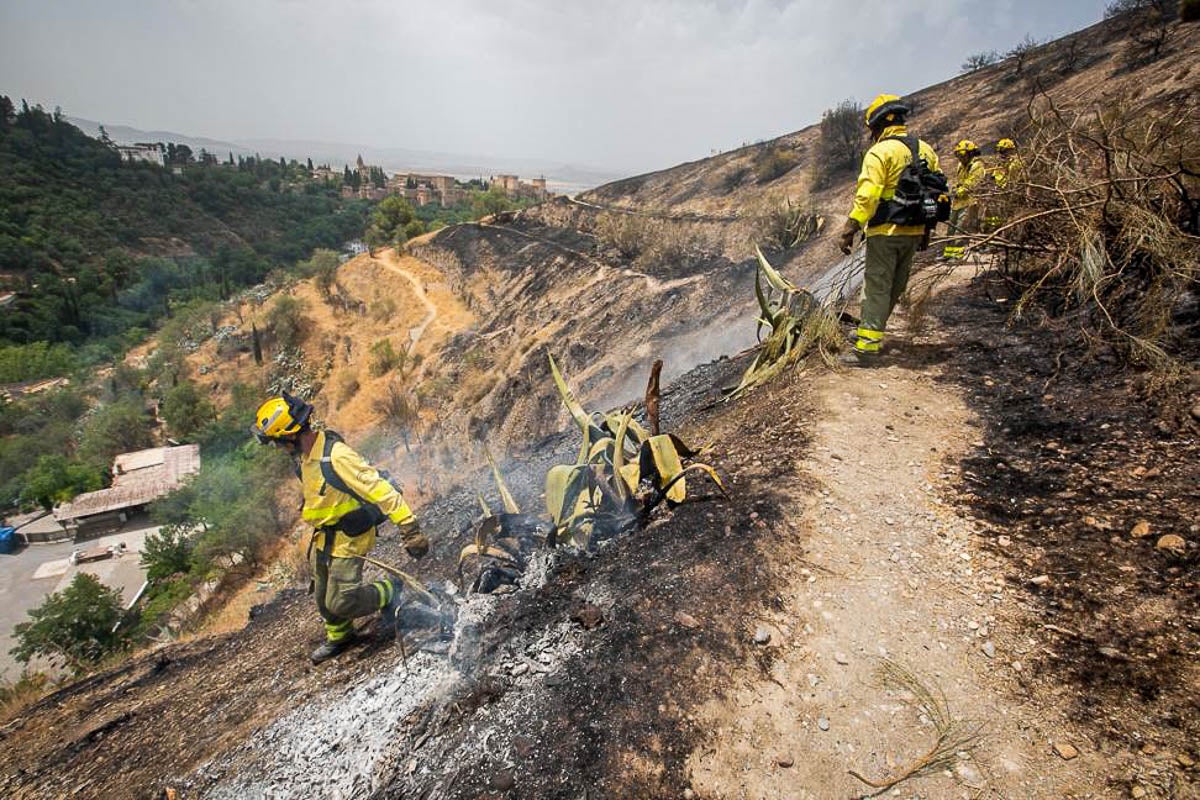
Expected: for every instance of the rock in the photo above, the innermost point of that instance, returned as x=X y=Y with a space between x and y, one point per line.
x=1140 y=529
x=1172 y=542
x=1185 y=760
x=686 y=620
x=989 y=649
x=1196 y=412
x=1004 y=541
x=841 y=658
x=588 y=616
x=688 y=794
x=523 y=746
x=1065 y=751
x=1137 y=792
x=1040 y=580
x=503 y=780
x=762 y=635
x=519 y=670
x=784 y=760
x=823 y=724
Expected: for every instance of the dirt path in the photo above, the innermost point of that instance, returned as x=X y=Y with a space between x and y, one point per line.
x=392 y=262
x=883 y=571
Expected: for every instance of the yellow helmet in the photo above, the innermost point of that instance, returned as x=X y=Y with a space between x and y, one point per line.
x=280 y=417
x=886 y=108
x=1006 y=144
x=965 y=146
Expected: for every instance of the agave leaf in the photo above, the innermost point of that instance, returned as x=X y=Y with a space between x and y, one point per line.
x=653 y=502
x=683 y=449
x=618 y=459
x=568 y=397
x=510 y=504
x=486 y=530
x=498 y=553
x=669 y=467
x=776 y=280
x=565 y=485
x=487 y=511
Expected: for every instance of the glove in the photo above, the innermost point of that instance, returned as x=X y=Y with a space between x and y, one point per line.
x=416 y=543
x=846 y=237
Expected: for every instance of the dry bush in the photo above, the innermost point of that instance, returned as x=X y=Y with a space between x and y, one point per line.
x=397 y=407
x=780 y=224
x=382 y=309
x=842 y=145
x=774 y=162
x=1150 y=27
x=385 y=358
x=671 y=243
x=347 y=386
x=980 y=60
x=1103 y=228
x=625 y=233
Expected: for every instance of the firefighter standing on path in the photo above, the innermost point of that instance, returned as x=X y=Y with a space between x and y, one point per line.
x=890 y=245
x=345 y=499
x=964 y=218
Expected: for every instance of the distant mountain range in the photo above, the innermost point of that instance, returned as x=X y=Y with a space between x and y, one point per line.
x=565 y=178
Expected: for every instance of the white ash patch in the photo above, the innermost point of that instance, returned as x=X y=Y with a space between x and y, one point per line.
x=538 y=569
x=333 y=749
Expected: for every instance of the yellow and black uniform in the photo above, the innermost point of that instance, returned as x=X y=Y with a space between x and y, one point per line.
x=340 y=595
x=890 y=247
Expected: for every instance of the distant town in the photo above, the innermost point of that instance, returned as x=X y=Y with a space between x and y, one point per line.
x=370 y=182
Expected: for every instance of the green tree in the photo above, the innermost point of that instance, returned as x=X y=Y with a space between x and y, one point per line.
x=323 y=267
x=493 y=201
x=55 y=479
x=186 y=411
x=167 y=552
x=119 y=427
x=286 y=320
x=74 y=626
x=388 y=222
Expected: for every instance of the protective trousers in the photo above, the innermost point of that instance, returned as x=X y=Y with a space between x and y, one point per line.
x=963 y=220
x=341 y=597
x=889 y=262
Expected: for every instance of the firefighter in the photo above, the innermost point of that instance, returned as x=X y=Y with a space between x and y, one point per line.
x=968 y=180
x=1010 y=170
x=890 y=245
x=345 y=499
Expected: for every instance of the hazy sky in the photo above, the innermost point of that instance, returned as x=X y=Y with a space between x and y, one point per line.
x=628 y=85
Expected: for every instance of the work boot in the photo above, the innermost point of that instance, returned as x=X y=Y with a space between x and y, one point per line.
x=330 y=648
x=855 y=358
x=387 y=616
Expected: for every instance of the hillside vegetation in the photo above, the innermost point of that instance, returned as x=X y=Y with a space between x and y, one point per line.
x=97 y=249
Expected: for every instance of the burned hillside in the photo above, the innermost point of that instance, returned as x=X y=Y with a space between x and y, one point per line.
x=1002 y=513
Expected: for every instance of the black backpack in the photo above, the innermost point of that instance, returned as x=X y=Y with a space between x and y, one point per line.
x=922 y=194
x=367 y=515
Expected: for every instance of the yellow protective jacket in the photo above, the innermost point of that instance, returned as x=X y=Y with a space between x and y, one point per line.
x=1006 y=172
x=879 y=177
x=324 y=505
x=968 y=177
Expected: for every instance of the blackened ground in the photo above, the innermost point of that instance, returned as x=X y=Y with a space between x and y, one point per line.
x=1077 y=451
x=682 y=597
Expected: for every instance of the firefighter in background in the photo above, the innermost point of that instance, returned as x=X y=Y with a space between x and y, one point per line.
x=890 y=246
x=1007 y=175
x=345 y=499
x=1010 y=167
x=968 y=180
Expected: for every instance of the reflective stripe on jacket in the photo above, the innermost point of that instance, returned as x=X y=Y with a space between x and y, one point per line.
x=325 y=505
x=879 y=177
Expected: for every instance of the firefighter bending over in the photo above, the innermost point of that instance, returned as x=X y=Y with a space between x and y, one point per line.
x=345 y=499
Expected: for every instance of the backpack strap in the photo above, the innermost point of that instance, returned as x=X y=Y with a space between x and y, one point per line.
x=330 y=474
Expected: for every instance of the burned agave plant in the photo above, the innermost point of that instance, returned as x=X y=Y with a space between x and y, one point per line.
x=796 y=324
x=624 y=471
x=503 y=542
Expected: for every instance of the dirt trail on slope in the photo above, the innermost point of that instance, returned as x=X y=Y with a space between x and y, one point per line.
x=392 y=262
x=883 y=570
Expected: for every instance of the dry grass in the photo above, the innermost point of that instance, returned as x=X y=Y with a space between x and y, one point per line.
x=952 y=735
